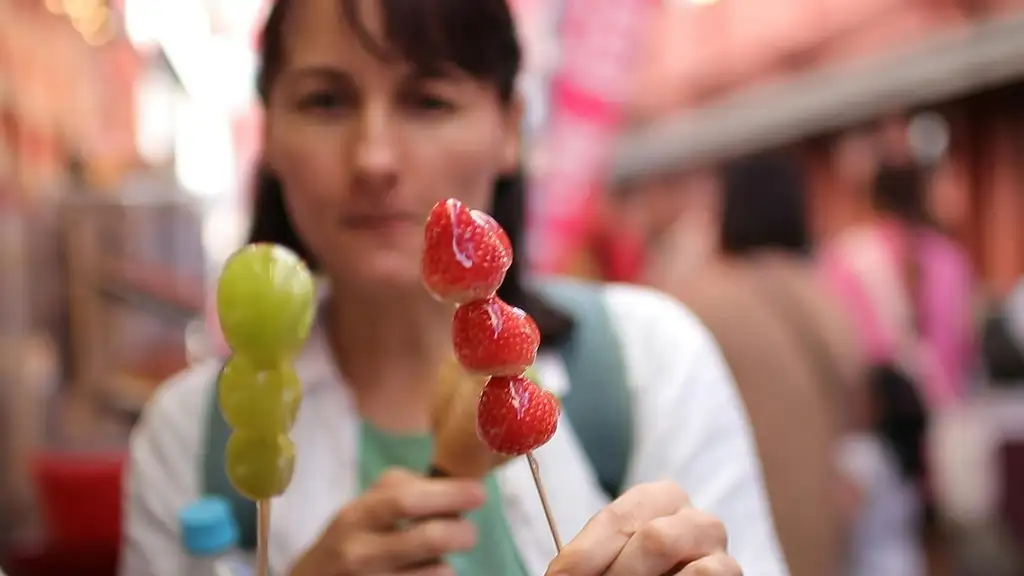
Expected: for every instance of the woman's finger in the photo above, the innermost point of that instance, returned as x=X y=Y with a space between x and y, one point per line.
x=433 y=570
x=404 y=496
x=597 y=546
x=670 y=541
x=420 y=547
x=427 y=541
x=717 y=565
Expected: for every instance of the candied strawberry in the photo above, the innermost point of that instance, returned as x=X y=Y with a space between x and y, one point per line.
x=494 y=338
x=465 y=253
x=491 y=223
x=515 y=416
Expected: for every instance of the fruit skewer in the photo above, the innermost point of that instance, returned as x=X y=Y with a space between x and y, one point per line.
x=465 y=259
x=265 y=304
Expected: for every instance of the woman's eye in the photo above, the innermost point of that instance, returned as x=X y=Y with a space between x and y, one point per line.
x=429 y=103
x=320 y=102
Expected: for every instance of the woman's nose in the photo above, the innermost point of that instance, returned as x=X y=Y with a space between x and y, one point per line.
x=376 y=154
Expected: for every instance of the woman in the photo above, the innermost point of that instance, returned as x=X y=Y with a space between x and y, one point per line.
x=788 y=344
x=909 y=286
x=375 y=110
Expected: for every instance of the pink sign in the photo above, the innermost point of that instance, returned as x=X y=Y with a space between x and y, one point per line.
x=600 y=42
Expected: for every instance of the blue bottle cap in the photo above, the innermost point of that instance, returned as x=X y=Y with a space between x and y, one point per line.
x=208 y=526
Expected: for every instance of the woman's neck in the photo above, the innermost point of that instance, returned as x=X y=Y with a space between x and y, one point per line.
x=390 y=350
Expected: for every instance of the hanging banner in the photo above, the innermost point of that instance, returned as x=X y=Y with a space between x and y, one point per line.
x=600 y=42
x=537 y=23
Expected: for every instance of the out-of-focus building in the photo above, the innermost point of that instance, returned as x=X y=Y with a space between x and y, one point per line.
x=724 y=77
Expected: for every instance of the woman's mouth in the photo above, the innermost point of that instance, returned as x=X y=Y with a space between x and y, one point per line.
x=383 y=222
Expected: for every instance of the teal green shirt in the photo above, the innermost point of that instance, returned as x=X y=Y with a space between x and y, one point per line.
x=495 y=553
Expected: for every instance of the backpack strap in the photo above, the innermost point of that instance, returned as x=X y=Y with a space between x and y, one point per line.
x=215 y=476
x=599 y=403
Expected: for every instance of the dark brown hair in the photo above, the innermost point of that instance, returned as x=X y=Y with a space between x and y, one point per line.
x=900 y=191
x=764 y=205
x=477 y=37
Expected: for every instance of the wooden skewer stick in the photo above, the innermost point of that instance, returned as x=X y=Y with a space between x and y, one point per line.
x=535 y=469
x=263 y=538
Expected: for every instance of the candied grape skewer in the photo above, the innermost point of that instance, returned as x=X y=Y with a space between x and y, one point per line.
x=265 y=303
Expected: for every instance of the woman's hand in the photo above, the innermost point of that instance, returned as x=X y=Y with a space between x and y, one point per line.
x=403 y=525
x=651 y=530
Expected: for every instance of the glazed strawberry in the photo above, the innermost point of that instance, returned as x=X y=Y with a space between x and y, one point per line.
x=491 y=223
x=494 y=338
x=465 y=254
x=515 y=416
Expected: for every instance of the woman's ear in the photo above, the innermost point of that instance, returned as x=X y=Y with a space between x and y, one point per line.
x=513 y=135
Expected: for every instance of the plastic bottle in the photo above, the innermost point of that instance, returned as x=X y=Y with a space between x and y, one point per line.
x=209 y=534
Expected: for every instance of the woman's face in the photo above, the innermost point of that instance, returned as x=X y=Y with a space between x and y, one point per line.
x=364 y=146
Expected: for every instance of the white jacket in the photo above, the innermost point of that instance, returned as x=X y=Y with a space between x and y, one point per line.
x=691 y=428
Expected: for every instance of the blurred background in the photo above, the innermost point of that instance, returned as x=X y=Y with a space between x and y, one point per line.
x=128 y=131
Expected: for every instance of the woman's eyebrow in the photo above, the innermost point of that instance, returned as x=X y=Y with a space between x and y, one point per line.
x=433 y=73
x=321 y=73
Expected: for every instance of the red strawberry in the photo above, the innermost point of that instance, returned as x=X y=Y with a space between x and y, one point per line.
x=490 y=222
x=464 y=257
x=493 y=338
x=515 y=416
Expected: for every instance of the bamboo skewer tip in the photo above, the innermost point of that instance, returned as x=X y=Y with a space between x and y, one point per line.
x=542 y=493
x=263 y=538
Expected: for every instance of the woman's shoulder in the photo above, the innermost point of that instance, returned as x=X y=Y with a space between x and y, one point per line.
x=176 y=404
x=628 y=305
x=659 y=335
x=163 y=452
x=650 y=309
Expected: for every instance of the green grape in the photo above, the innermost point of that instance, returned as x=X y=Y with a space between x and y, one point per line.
x=266 y=299
x=254 y=400
x=259 y=465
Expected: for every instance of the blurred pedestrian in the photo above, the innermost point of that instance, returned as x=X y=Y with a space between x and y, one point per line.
x=788 y=344
x=908 y=286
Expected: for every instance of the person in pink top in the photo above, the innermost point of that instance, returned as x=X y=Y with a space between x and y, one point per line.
x=909 y=287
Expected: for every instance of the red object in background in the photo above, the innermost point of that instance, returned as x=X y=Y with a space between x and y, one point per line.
x=599 y=40
x=66 y=561
x=619 y=254
x=603 y=249
x=80 y=497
